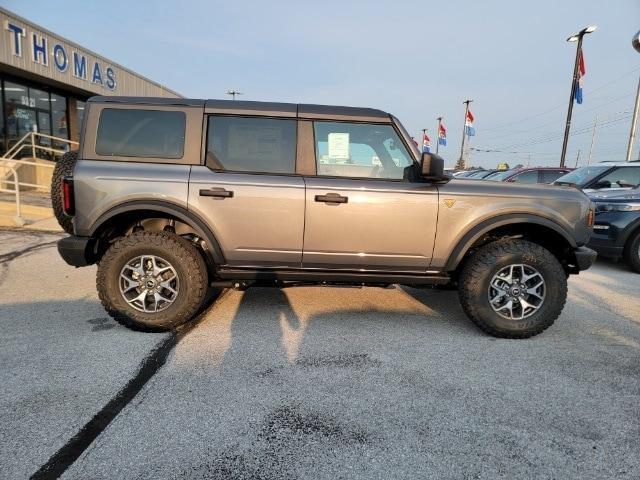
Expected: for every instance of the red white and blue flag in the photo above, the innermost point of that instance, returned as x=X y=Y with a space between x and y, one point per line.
x=426 y=143
x=468 y=124
x=442 y=135
x=581 y=73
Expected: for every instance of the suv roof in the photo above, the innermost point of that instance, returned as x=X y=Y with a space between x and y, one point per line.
x=272 y=109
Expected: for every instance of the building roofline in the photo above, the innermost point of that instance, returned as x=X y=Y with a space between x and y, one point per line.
x=80 y=47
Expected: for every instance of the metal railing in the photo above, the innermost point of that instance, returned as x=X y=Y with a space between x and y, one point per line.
x=31 y=143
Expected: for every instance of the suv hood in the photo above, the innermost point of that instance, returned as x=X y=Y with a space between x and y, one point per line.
x=614 y=195
x=508 y=189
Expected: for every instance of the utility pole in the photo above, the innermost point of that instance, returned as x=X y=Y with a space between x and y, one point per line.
x=634 y=121
x=438 y=134
x=574 y=85
x=461 y=162
x=233 y=93
x=593 y=139
x=577 y=158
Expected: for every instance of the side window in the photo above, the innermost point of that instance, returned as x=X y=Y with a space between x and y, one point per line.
x=361 y=150
x=244 y=144
x=623 y=177
x=141 y=133
x=530 y=176
x=549 y=176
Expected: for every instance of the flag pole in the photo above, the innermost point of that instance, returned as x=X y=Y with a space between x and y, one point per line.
x=424 y=132
x=461 y=162
x=438 y=135
x=574 y=85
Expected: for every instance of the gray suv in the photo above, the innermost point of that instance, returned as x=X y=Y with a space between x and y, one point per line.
x=174 y=197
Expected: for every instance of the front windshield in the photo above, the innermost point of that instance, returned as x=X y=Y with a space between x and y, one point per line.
x=407 y=137
x=500 y=176
x=582 y=175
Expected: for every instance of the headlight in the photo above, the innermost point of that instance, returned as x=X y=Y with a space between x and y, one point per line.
x=619 y=207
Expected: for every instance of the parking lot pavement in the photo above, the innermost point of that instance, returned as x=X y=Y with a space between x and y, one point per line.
x=312 y=382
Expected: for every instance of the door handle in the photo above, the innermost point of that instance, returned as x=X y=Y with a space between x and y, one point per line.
x=331 y=198
x=216 y=192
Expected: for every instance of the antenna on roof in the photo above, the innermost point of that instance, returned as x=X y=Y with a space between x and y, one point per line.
x=233 y=93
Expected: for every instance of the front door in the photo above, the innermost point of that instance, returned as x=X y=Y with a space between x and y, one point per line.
x=361 y=211
x=257 y=217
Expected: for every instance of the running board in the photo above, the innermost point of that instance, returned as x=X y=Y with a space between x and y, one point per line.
x=312 y=276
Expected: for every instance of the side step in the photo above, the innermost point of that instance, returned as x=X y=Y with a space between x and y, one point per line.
x=233 y=275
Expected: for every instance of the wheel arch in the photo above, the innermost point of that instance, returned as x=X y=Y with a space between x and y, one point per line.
x=538 y=229
x=130 y=212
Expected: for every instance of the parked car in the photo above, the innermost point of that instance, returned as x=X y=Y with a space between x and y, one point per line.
x=465 y=173
x=170 y=197
x=530 y=175
x=480 y=174
x=603 y=176
x=616 y=232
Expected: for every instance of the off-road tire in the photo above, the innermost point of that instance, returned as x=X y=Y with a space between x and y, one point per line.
x=487 y=261
x=63 y=168
x=180 y=253
x=632 y=252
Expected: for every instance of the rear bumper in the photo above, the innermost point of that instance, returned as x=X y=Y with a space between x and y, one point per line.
x=585 y=257
x=77 y=251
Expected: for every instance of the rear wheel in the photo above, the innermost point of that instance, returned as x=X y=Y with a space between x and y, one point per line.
x=63 y=168
x=152 y=281
x=513 y=288
x=632 y=252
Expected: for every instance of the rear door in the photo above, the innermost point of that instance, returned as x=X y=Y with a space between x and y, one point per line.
x=362 y=213
x=248 y=190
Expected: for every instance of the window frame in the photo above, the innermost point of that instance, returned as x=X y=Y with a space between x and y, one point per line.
x=205 y=144
x=389 y=124
x=192 y=135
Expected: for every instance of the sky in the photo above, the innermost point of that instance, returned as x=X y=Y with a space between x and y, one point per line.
x=416 y=59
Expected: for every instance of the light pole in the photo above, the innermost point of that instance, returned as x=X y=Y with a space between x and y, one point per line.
x=233 y=93
x=632 y=135
x=574 y=84
x=461 y=162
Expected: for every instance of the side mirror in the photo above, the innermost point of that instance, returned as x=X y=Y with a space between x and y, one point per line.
x=432 y=168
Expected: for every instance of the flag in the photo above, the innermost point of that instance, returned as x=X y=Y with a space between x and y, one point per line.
x=442 y=135
x=581 y=72
x=468 y=124
x=426 y=143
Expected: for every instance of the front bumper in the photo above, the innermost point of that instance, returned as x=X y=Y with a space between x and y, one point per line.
x=585 y=257
x=77 y=251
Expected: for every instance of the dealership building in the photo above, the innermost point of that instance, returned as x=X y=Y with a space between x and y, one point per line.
x=45 y=81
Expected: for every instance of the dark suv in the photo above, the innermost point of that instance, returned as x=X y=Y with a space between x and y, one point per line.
x=173 y=196
x=616 y=232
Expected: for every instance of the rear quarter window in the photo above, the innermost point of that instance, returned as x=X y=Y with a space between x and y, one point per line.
x=141 y=133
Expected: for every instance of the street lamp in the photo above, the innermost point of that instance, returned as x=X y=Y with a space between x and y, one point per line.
x=574 y=38
x=233 y=93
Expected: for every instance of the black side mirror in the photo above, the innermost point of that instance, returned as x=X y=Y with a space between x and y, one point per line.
x=432 y=168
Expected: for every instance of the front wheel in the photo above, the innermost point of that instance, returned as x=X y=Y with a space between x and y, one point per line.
x=152 y=281
x=632 y=252
x=513 y=288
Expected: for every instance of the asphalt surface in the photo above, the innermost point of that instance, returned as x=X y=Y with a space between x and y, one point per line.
x=313 y=383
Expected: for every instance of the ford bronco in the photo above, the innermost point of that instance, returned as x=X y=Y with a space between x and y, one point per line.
x=174 y=197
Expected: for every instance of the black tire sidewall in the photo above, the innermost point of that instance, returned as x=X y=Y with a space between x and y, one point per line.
x=177 y=313
x=555 y=293
x=632 y=253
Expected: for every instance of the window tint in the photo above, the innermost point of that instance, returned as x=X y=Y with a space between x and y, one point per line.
x=549 y=176
x=141 y=133
x=251 y=144
x=530 y=176
x=360 y=150
x=623 y=177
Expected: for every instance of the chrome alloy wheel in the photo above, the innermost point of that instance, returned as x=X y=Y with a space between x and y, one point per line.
x=149 y=283
x=516 y=292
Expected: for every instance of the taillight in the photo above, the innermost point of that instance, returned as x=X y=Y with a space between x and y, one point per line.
x=68 y=202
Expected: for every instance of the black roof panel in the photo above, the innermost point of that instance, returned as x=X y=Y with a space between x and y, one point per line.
x=274 y=109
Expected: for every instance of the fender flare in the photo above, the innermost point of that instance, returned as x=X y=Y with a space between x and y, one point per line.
x=480 y=229
x=170 y=208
